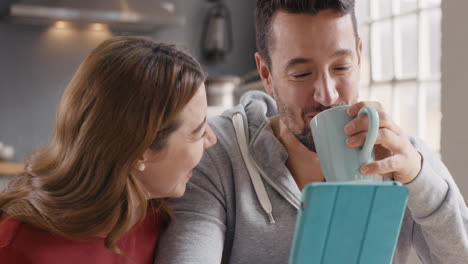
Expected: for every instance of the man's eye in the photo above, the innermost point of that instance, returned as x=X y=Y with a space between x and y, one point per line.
x=342 y=68
x=301 y=75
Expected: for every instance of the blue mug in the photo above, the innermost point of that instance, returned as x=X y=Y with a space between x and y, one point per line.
x=339 y=162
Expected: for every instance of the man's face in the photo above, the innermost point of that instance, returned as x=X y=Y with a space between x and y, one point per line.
x=314 y=66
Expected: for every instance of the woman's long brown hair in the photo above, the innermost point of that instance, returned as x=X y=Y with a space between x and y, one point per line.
x=124 y=98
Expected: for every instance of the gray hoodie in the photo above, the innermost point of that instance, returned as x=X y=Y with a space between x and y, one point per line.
x=230 y=215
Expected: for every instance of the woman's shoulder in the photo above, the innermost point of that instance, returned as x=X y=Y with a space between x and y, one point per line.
x=12 y=229
x=25 y=243
x=14 y=232
x=8 y=229
x=21 y=242
x=14 y=247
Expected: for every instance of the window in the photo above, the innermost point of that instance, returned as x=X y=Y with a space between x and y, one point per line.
x=400 y=64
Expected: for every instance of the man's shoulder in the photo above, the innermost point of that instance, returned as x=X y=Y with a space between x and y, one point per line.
x=217 y=161
x=221 y=124
x=223 y=127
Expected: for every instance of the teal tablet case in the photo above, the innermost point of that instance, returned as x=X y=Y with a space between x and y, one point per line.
x=348 y=223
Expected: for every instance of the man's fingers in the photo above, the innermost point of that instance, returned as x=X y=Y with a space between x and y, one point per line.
x=361 y=123
x=385 y=137
x=353 y=110
x=382 y=167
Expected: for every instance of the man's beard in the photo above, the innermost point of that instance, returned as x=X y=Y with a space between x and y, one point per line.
x=306 y=138
x=287 y=116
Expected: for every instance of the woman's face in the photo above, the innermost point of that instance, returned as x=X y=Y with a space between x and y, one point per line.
x=168 y=171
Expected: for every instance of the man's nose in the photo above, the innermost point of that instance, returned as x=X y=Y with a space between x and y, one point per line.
x=325 y=91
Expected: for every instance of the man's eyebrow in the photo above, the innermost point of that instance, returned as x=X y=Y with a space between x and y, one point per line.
x=298 y=60
x=343 y=52
x=199 y=127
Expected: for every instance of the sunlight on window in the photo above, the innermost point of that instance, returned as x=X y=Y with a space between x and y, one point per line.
x=400 y=64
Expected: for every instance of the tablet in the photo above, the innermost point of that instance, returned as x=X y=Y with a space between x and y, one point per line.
x=348 y=222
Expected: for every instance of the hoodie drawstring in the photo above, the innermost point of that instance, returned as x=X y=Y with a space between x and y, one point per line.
x=249 y=162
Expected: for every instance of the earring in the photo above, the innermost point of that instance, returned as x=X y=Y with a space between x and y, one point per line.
x=141 y=167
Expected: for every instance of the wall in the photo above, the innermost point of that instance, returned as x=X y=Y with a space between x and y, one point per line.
x=454 y=135
x=36 y=64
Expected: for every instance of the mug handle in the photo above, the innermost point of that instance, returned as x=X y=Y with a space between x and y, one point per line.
x=366 y=155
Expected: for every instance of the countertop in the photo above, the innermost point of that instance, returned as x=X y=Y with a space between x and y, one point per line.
x=9 y=168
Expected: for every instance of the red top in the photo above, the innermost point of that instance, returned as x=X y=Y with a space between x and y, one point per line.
x=22 y=243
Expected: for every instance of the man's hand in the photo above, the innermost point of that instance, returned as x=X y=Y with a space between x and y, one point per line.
x=395 y=156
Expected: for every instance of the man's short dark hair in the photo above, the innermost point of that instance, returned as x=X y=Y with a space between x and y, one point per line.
x=266 y=9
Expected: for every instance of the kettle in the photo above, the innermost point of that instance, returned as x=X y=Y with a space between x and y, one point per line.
x=220 y=91
x=217 y=33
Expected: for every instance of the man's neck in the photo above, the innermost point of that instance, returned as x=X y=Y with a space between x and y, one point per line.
x=303 y=164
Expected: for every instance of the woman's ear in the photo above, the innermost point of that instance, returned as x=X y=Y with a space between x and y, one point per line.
x=264 y=73
x=140 y=163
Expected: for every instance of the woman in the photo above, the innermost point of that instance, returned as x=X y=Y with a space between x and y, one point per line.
x=130 y=128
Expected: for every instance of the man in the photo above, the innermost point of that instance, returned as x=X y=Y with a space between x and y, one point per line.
x=241 y=204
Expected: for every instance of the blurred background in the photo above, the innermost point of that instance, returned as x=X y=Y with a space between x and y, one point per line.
x=414 y=61
x=42 y=43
